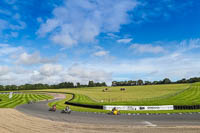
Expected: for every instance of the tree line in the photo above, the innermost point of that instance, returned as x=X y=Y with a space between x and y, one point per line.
x=55 y=86
x=164 y=81
x=94 y=84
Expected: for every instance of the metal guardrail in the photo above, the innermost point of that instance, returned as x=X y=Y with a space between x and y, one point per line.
x=186 y=107
x=85 y=105
x=176 y=107
x=82 y=105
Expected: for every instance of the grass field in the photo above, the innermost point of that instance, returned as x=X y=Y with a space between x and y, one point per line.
x=61 y=105
x=175 y=94
x=18 y=99
x=134 y=95
x=188 y=96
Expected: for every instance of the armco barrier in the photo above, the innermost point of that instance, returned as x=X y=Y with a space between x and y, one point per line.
x=186 y=107
x=85 y=105
x=175 y=107
x=82 y=105
x=123 y=107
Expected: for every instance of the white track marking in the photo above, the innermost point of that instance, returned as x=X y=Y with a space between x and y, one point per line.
x=149 y=124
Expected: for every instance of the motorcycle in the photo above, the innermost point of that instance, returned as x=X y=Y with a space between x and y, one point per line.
x=30 y=102
x=66 y=111
x=114 y=112
x=53 y=108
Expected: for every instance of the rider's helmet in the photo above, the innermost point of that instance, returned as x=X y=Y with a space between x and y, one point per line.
x=114 y=109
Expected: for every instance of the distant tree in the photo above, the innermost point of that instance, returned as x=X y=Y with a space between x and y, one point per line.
x=147 y=83
x=1 y=87
x=182 y=81
x=91 y=84
x=122 y=83
x=134 y=83
x=140 y=82
x=125 y=83
x=160 y=82
x=193 y=80
x=129 y=83
x=97 y=84
x=155 y=82
x=103 y=84
x=166 y=81
x=13 y=87
x=114 y=83
x=78 y=84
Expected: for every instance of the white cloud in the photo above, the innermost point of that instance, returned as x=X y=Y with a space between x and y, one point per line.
x=10 y=27
x=84 y=74
x=64 y=39
x=53 y=74
x=19 y=70
x=21 y=25
x=175 y=64
x=127 y=40
x=29 y=59
x=3 y=70
x=190 y=44
x=112 y=35
x=101 y=53
x=147 y=48
x=47 y=27
x=17 y=55
x=50 y=69
x=32 y=59
x=6 y=49
x=81 y=21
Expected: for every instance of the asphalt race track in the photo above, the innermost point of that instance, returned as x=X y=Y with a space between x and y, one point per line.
x=40 y=109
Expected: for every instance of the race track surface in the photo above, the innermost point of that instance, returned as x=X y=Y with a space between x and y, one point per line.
x=40 y=110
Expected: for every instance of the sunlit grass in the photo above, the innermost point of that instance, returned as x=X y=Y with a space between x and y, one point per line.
x=19 y=99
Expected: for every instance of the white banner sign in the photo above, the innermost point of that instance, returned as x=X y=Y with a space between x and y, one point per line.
x=11 y=94
x=162 y=107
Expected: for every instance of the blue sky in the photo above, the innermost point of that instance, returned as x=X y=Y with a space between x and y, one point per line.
x=52 y=41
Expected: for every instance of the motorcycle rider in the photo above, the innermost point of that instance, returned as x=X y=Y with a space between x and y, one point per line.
x=115 y=111
x=54 y=107
x=67 y=109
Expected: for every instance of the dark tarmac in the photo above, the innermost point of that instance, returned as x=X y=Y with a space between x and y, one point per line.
x=40 y=110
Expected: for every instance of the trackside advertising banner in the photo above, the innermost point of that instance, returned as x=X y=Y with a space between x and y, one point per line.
x=11 y=94
x=163 y=107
